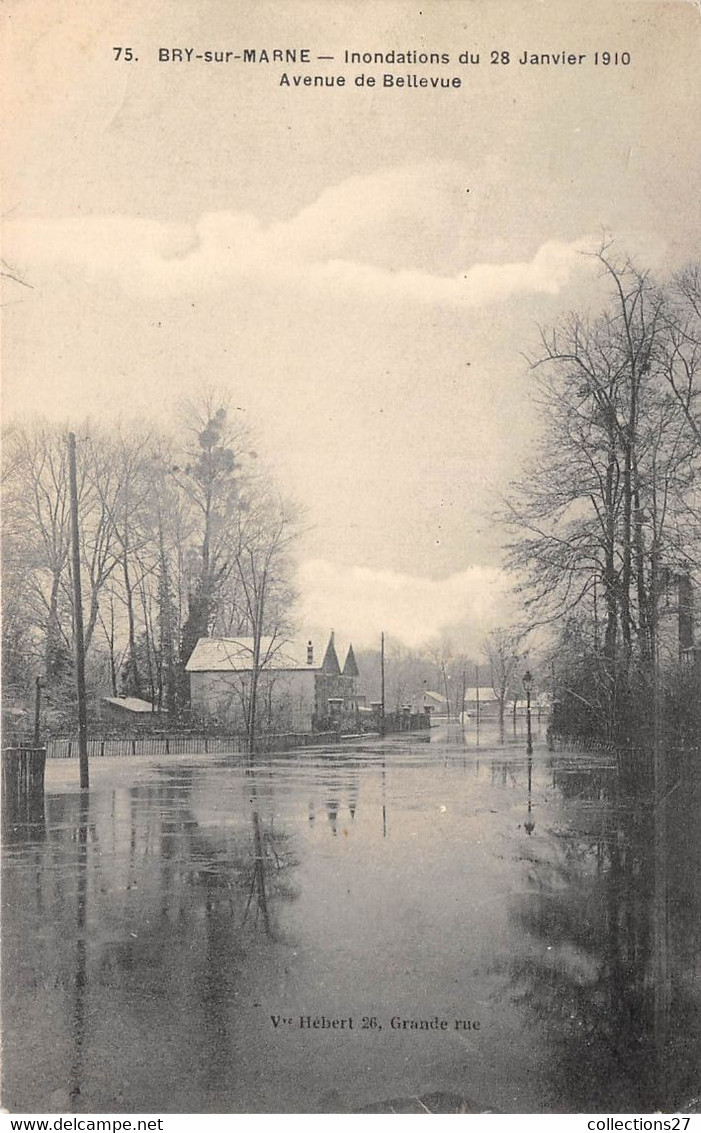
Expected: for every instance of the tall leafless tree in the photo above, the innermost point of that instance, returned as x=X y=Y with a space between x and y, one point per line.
x=604 y=509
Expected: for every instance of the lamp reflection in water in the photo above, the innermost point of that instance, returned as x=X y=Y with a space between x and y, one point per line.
x=528 y=684
x=529 y=824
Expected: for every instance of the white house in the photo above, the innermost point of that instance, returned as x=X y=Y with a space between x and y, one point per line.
x=299 y=690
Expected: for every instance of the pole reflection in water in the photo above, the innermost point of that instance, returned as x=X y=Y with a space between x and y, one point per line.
x=80 y=979
x=353 y=798
x=384 y=804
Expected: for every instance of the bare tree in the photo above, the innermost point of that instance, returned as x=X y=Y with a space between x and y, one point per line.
x=170 y=551
x=267 y=528
x=36 y=515
x=503 y=650
x=606 y=504
x=679 y=360
x=210 y=478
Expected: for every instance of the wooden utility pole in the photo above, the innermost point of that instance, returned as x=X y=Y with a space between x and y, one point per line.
x=462 y=711
x=445 y=686
x=78 y=620
x=382 y=677
x=477 y=696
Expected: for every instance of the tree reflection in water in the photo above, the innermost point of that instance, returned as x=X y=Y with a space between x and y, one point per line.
x=151 y=929
x=612 y=925
x=145 y=966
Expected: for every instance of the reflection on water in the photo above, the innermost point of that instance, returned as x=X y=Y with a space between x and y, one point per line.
x=158 y=923
x=611 y=926
x=80 y=978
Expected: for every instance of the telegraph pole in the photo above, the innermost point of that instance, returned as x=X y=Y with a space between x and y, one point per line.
x=382 y=674
x=477 y=695
x=78 y=620
x=462 y=713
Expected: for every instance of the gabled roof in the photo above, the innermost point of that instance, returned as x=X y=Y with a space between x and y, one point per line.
x=129 y=703
x=235 y=655
x=330 y=663
x=486 y=693
x=350 y=665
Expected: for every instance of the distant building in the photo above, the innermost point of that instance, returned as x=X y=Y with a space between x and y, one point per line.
x=296 y=692
x=130 y=710
x=432 y=702
x=489 y=703
x=485 y=697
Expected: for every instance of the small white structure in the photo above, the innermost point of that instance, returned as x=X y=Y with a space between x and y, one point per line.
x=484 y=697
x=432 y=702
x=124 y=709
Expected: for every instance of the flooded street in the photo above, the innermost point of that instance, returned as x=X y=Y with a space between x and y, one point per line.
x=194 y=935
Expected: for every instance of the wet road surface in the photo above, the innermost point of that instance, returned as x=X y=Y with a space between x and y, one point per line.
x=333 y=928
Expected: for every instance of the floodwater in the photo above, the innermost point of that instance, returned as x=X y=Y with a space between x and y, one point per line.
x=196 y=935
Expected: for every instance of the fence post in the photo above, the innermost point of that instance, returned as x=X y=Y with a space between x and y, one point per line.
x=23 y=785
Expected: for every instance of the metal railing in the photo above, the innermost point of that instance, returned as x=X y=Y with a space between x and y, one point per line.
x=178 y=743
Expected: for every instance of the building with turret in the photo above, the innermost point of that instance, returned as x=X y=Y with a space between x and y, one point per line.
x=297 y=692
x=335 y=690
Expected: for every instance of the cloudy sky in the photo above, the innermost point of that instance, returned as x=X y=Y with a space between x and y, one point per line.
x=359 y=268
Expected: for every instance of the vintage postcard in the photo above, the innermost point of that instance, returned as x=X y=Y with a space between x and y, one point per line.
x=351 y=699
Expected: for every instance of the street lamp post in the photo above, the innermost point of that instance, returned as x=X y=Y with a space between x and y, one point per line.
x=528 y=684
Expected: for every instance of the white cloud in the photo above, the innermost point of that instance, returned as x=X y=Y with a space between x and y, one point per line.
x=342 y=243
x=359 y=603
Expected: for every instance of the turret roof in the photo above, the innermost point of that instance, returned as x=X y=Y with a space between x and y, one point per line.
x=330 y=663
x=350 y=667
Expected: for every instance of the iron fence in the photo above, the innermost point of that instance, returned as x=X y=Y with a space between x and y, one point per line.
x=178 y=743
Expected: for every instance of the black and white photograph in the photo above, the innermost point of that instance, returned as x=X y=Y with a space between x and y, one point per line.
x=351 y=559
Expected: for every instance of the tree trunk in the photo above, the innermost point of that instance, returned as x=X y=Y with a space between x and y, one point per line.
x=53 y=648
x=167 y=644
x=626 y=550
x=132 y=683
x=610 y=599
x=255 y=673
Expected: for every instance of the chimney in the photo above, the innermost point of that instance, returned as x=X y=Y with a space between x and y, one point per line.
x=310 y=653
